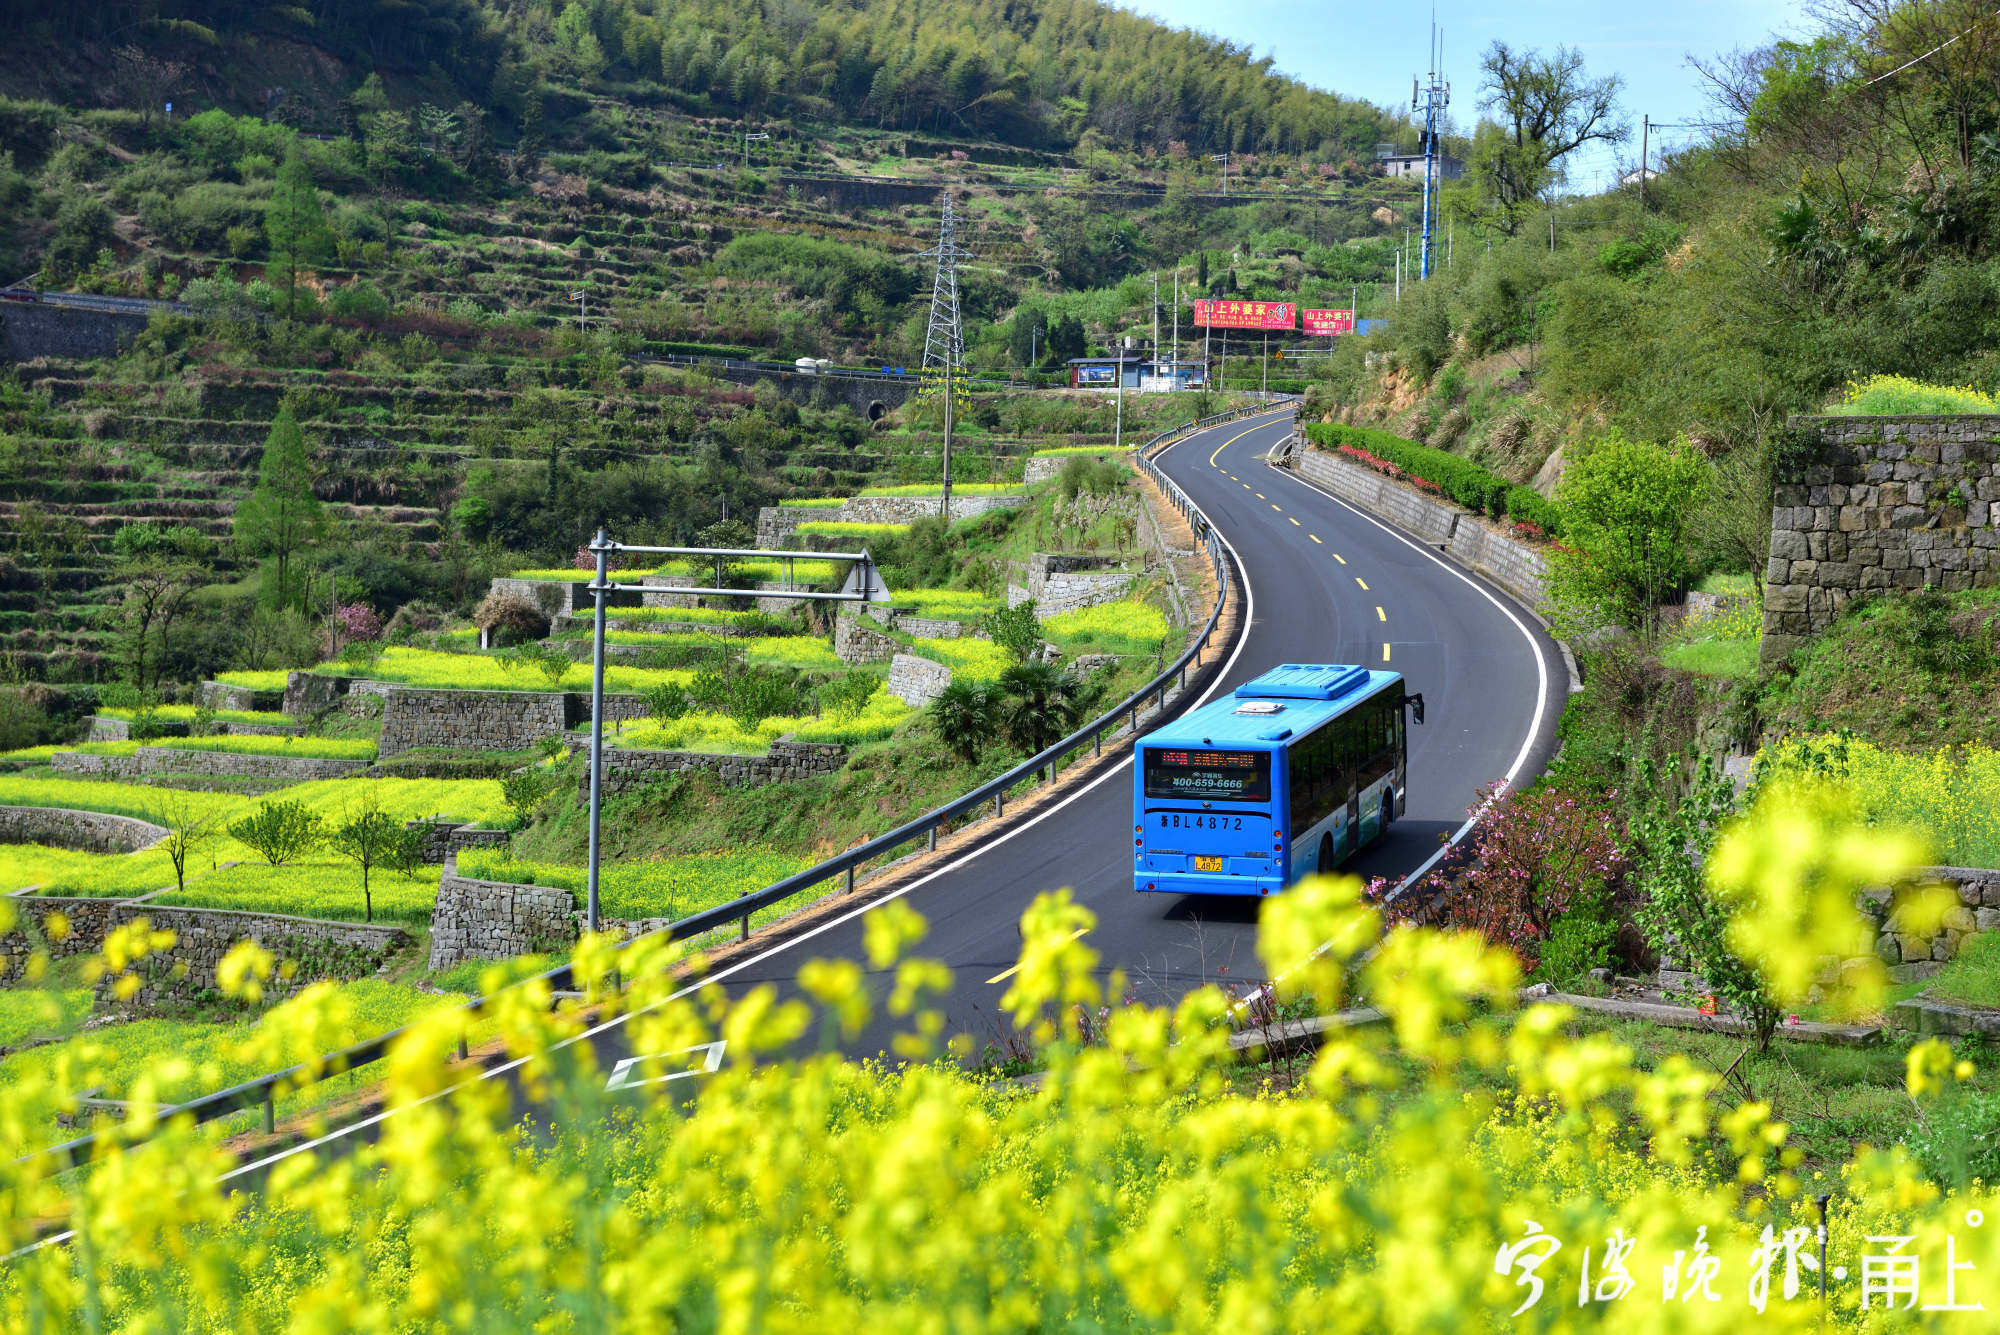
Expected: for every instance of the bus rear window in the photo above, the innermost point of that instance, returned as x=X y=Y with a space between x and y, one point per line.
x=1227 y=776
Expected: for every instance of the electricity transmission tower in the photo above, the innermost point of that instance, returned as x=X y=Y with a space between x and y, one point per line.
x=944 y=339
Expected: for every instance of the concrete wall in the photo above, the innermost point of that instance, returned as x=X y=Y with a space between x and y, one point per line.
x=491 y=920
x=203 y=936
x=786 y=761
x=1512 y=564
x=776 y=524
x=172 y=760
x=83 y=831
x=1866 y=504
x=36 y=329
x=917 y=681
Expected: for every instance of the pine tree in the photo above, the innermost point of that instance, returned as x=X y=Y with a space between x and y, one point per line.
x=282 y=519
x=295 y=227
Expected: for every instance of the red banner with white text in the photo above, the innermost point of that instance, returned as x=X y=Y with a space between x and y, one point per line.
x=1245 y=314
x=1320 y=324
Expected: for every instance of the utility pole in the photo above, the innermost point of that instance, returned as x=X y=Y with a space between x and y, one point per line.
x=579 y=297
x=1433 y=97
x=1399 y=275
x=1645 y=131
x=944 y=338
x=1174 y=360
x=1267 y=363
x=1118 y=431
x=747 y=137
x=1156 y=321
x=1222 y=158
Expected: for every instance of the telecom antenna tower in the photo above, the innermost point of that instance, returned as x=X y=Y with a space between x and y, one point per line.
x=1430 y=96
x=944 y=340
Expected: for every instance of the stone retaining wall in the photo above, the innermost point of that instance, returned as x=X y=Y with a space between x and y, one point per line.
x=786 y=761
x=103 y=729
x=488 y=720
x=492 y=920
x=856 y=642
x=1066 y=582
x=778 y=524
x=203 y=936
x=221 y=695
x=173 y=760
x=917 y=681
x=554 y=596
x=1512 y=564
x=83 y=831
x=444 y=839
x=1041 y=469
x=1867 y=504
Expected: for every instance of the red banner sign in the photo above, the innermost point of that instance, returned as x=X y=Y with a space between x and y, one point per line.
x=1246 y=314
x=1322 y=323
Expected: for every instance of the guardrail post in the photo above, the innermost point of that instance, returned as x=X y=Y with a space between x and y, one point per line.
x=743 y=928
x=270 y=1111
x=933 y=840
x=997 y=805
x=463 y=1055
x=850 y=880
x=1097 y=743
x=1184 y=679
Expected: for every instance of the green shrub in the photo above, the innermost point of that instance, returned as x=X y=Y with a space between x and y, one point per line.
x=1464 y=481
x=1580 y=940
x=279 y=830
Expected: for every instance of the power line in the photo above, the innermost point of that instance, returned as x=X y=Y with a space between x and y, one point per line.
x=944 y=337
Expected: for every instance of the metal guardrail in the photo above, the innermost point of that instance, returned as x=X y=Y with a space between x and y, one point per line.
x=263 y=1090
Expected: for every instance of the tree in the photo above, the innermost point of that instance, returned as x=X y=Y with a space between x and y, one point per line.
x=963 y=715
x=1028 y=337
x=1016 y=629
x=282 y=519
x=1626 y=506
x=1039 y=704
x=161 y=568
x=83 y=228
x=280 y=830
x=295 y=227
x=370 y=837
x=1548 y=109
x=191 y=825
x=1066 y=339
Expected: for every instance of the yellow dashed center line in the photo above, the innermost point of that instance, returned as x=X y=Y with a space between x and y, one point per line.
x=1338 y=557
x=1358 y=580
x=1385 y=651
x=1380 y=615
x=1260 y=495
x=1315 y=538
x=1280 y=511
x=1246 y=486
x=1294 y=521
x=1009 y=973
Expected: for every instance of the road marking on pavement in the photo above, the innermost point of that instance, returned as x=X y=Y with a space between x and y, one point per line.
x=1246 y=486
x=1296 y=522
x=1385 y=651
x=985 y=846
x=623 y=1078
x=1261 y=496
x=1380 y=615
x=1279 y=509
x=1227 y=443
x=1358 y=580
x=1315 y=538
x=1338 y=557
x=1005 y=974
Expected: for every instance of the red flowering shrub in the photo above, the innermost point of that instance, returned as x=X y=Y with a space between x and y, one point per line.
x=358 y=621
x=1534 y=857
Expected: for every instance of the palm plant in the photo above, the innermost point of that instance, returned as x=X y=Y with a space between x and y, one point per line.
x=963 y=715
x=1039 y=704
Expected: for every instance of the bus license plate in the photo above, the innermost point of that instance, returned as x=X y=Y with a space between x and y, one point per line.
x=1207 y=864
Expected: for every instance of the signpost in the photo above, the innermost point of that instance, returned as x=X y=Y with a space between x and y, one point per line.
x=1246 y=314
x=1327 y=323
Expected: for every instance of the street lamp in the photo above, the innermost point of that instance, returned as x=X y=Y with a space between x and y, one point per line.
x=747 y=137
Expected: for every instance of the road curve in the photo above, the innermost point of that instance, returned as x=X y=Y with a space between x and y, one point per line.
x=1324 y=583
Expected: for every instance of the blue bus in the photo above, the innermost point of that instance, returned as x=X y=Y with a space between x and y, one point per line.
x=1287 y=776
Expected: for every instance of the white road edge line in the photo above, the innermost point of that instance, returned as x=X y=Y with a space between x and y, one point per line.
x=1249 y=612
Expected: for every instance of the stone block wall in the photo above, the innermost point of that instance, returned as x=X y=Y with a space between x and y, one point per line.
x=778 y=524
x=1512 y=564
x=786 y=761
x=917 y=681
x=103 y=729
x=470 y=720
x=1041 y=469
x=83 y=831
x=220 y=695
x=203 y=936
x=172 y=760
x=854 y=641
x=1065 y=582
x=1868 y=504
x=443 y=839
x=492 y=920
x=554 y=596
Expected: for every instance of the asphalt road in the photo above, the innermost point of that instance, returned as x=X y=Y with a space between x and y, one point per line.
x=1326 y=583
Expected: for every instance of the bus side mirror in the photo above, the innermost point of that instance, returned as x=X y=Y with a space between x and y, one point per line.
x=1416 y=705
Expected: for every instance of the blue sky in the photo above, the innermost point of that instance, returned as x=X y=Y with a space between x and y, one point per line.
x=1372 y=50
